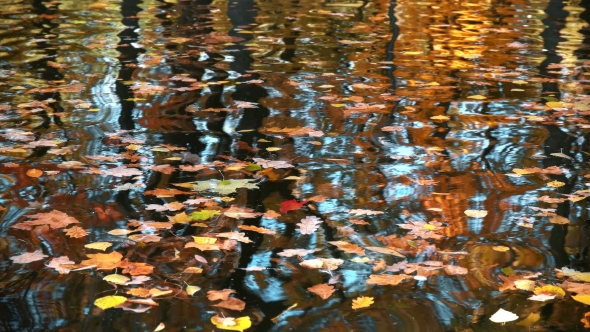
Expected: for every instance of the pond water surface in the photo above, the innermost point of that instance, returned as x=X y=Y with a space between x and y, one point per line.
x=430 y=155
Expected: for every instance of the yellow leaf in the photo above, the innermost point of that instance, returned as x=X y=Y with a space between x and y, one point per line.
x=191 y=290
x=556 y=184
x=582 y=298
x=338 y=105
x=519 y=82
x=109 y=301
x=204 y=240
x=555 y=104
x=530 y=320
x=119 y=231
x=362 y=302
x=271 y=149
x=116 y=279
x=182 y=218
x=429 y=227
x=98 y=245
x=527 y=285
x=237 y=324
x=551 y=290
x=478 y=97
x=133 y=147
x=501 y=248
x=440 y=117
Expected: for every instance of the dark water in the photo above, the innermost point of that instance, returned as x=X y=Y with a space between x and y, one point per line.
x=506 y=82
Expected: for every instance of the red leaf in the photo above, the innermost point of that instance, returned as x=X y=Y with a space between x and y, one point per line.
x=291 y=205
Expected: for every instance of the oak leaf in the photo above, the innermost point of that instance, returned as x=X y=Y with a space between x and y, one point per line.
x=362 y=302
x=348 y=247
x=272 y=163
x=122 y=171
x=322 y=290
x=309 y=225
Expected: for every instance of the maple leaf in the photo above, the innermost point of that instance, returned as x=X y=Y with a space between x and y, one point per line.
x=362 y=302
x=28 y=257
x=309 y=225
x=76 y=232
x=322 y=290
x=135 y=269
x=223 y=294
x=103 y=261
x=122 y=171
x=57 y=262
x=272 y=163
x=55 y=219
x=291 y=205
x=232 y=303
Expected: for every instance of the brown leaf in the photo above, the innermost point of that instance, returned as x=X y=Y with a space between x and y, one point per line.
x=232 y=303
x=387 y=279
x=348 y=247
x=322 y=290
x=223 y=294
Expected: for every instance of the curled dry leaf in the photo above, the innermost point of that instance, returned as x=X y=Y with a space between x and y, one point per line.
x=223 y=294
x=232 y=303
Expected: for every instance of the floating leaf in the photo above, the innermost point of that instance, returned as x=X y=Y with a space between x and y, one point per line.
x=476 y=213
x=362 y=302
x=28 y=257
x=204 y=214
x=99 y=245
x=231 y=324
x=530 y=320
x=116 y=279
x=34 y=173
x=322 y=290
x=109 y=301
x=584 y=298
x=503 y=316
x=191 y=290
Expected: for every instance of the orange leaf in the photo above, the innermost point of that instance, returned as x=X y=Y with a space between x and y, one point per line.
x=322 y=290
x=34 y=173
x=135 y=269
